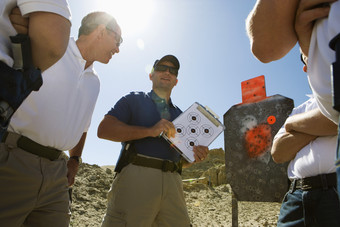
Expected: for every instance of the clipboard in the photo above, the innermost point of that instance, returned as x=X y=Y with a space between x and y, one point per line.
x=198 y=125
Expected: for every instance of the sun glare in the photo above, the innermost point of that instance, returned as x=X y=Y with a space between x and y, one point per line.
x=131 y=15
x=148 y=68
x=140 y=44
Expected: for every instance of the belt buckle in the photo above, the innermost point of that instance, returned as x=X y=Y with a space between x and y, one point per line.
x=306 y=185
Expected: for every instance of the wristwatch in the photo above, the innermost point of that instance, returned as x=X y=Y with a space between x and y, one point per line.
x=77 y=158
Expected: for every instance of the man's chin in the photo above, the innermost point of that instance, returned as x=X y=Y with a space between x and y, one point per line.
x=105 y=61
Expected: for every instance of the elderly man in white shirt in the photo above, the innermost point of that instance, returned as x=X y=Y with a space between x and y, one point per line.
x=33 y=166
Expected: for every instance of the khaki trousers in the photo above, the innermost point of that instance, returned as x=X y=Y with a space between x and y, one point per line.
x=33 y=190
x=142 y=196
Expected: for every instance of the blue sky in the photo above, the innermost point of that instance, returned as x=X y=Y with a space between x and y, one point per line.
x=210 y=41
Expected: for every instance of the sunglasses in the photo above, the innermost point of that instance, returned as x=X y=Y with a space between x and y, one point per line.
x=119 y=39
x=163 y=68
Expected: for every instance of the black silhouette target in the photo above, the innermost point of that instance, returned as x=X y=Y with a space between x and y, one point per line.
x=180 y=130
x=194 y=118
x=262 y=180
x=207 y=131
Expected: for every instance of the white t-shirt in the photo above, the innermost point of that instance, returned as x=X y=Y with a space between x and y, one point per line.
x=59 y=113
x=318 y=157
x=320 y=58
x=60 y=7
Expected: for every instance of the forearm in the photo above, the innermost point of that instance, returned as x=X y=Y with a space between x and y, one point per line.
x=286 y=147
x=125 y=133
x=78 y=149
x=270 y=27
x=312 y=122
x=73 y=164
x=113 y=129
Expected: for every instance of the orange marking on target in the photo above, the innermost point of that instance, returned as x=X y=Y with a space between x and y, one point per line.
x=258 y=140
x=271 y=120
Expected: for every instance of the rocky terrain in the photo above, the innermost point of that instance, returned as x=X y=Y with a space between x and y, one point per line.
x=208 y=196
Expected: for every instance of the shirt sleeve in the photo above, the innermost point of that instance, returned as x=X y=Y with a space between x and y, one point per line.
x=60 y=7
x=122 y=110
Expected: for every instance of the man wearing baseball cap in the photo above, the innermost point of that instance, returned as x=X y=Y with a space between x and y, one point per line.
x=147 y=189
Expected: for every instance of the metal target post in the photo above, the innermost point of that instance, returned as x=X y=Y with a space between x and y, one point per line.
x=234 y=209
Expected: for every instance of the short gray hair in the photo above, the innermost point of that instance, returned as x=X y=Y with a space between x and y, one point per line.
x=91 y=21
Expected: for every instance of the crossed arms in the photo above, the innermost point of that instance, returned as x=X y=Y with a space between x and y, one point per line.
x=301 y=129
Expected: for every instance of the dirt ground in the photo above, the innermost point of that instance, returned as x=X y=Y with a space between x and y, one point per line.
x=208 y=196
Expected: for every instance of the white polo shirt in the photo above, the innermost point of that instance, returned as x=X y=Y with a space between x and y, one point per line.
x=59 y=113
x=320 y=58
x=315 y=158
x=60 y=7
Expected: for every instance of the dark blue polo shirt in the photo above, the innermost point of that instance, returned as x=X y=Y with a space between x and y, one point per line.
x=140 y=109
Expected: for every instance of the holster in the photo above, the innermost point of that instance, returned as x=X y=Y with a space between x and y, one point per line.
x=128 y=150
x=17 y=84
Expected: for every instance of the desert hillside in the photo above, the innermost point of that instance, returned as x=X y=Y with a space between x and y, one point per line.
x=207 y=195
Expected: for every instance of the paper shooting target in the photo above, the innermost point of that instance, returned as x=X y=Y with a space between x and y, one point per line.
x=190 y=143
x=193 y=130
x=207 y=131
x=195 y=126
x=194 y=118
x=180 y=130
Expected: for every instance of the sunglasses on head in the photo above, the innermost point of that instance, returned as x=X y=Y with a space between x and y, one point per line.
x=163 y=68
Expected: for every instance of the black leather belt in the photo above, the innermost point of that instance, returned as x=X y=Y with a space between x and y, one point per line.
x=323 y=181
x=164 y=165
x=34 y=148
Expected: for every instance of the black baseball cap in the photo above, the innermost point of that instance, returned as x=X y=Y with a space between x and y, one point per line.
x=169 y=58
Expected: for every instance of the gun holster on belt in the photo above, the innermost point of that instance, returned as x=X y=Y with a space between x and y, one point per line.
x=127 y=152
x=18 y=82
x=335 y=70
x=129 y=155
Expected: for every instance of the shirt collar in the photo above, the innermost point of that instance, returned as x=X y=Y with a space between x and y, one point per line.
x=77 y=54
x=158 y=99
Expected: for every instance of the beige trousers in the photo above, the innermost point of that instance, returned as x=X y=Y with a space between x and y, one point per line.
x=33 y=190
x=142 y=196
